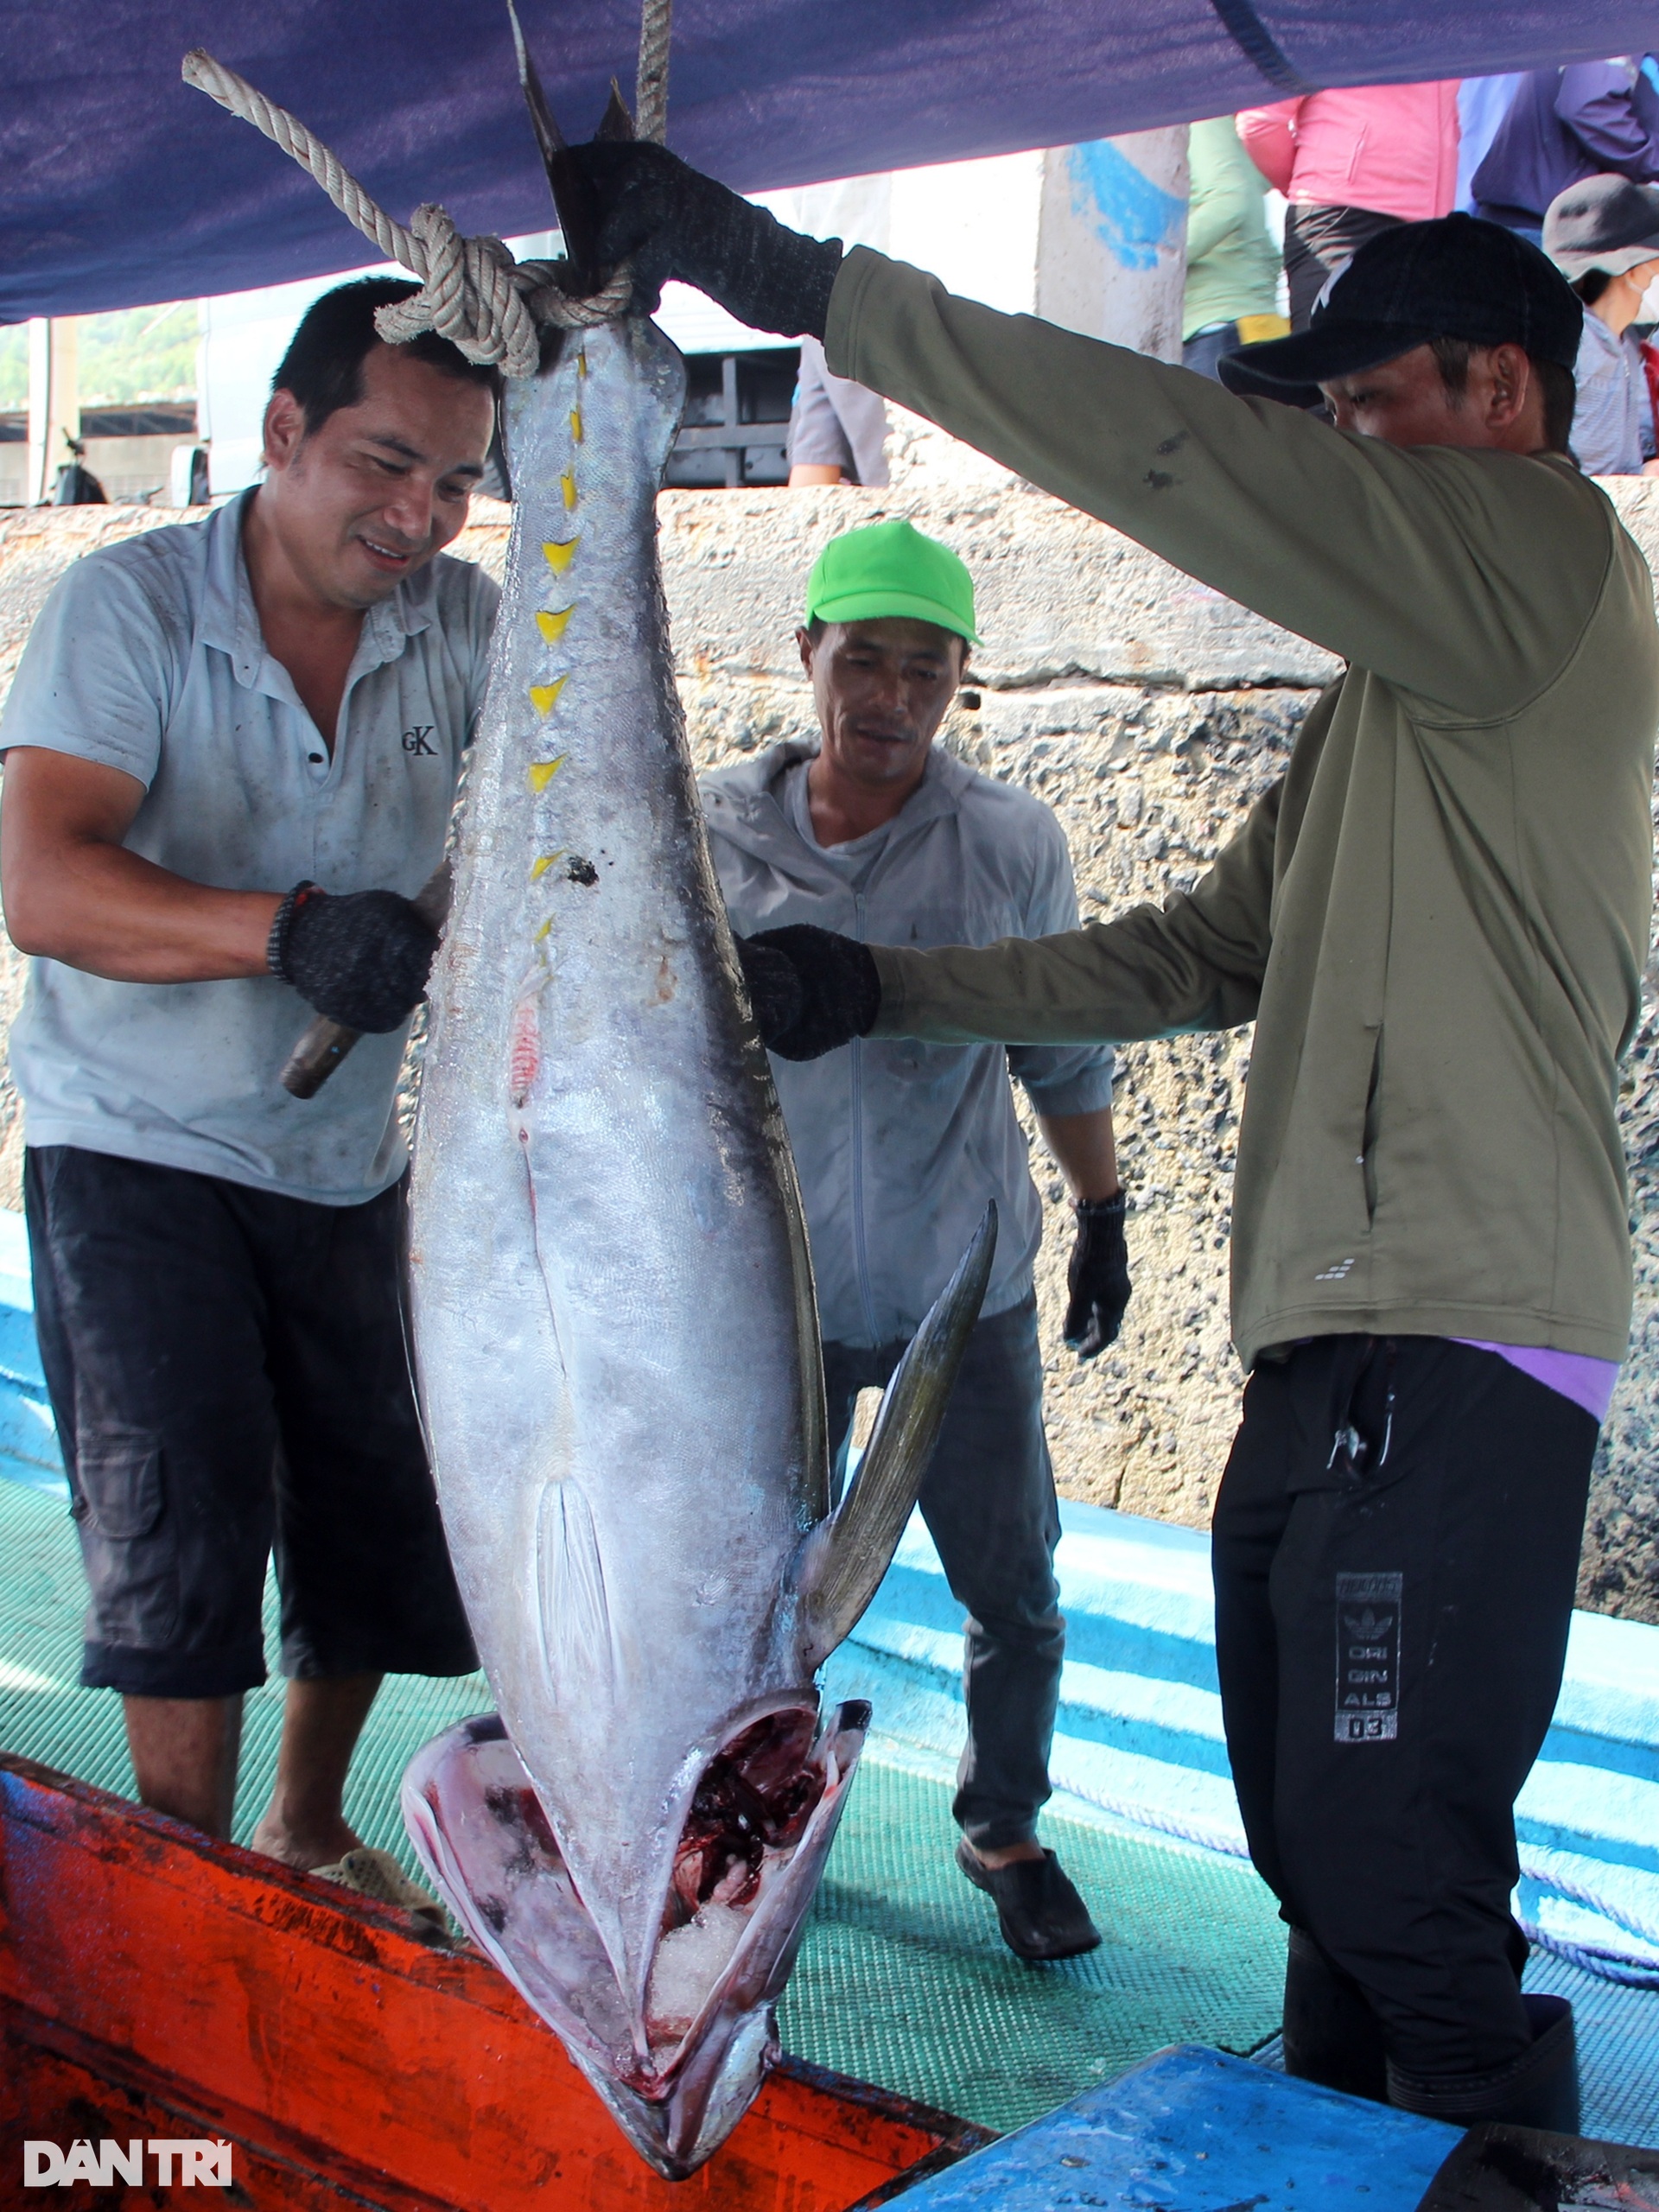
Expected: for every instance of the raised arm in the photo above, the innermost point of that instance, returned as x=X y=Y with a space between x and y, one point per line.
x=1466 y=577
x=73 y=892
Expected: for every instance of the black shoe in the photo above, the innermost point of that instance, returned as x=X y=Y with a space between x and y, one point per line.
x=1331 y=2035
x=1538 y=2089
x=1042 y=1915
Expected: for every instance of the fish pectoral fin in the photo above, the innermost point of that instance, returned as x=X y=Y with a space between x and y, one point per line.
x=841 y=1563
x=578 y=1642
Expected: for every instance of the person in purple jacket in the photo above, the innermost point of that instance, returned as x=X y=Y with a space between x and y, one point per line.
x=1566 y=124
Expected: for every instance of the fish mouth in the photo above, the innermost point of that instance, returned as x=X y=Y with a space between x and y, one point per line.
x=751 y=1848
x=753 y=1802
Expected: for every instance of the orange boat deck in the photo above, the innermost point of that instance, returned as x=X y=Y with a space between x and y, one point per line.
x=155 y=1983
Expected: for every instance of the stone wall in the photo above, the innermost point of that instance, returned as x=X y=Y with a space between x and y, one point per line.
x=1148 y=711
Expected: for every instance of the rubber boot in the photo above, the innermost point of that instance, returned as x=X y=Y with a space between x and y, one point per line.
x=1538 y=2089
x=1331 y=2033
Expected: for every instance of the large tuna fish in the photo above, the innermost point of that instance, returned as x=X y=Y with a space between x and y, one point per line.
x=615 y=1334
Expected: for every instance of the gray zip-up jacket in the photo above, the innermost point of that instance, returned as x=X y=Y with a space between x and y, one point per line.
x=899 y=1145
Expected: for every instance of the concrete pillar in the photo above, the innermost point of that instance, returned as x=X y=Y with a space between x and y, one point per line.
x=1111 y=248
x=53 y=400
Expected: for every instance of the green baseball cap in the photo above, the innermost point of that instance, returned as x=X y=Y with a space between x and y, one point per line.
x=891 y=568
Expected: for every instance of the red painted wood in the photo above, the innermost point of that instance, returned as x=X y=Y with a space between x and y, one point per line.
x=340 y=2052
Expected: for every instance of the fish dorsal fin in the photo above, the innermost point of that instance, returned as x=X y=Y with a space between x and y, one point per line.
x=616 y=122
x=549 y=137
x=841 y=1563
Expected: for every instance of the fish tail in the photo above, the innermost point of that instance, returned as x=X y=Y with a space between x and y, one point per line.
x=837 y=1569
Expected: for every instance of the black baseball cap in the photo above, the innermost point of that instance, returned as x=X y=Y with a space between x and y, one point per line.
x=1454 y=277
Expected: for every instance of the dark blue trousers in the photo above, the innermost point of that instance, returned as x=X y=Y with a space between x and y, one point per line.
x=988 y=1502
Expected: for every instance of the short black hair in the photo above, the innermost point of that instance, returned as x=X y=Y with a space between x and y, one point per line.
x=323 y=365
x=1557 y=384
x=1590 y=286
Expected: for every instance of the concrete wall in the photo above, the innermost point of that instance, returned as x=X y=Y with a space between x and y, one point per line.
x=1148 y=711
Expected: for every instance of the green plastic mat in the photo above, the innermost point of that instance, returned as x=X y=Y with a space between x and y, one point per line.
x=902 y=1980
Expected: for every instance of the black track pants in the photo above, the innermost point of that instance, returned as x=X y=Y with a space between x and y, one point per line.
x=1397 y=1544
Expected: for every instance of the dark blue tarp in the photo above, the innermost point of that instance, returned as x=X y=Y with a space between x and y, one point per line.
x=119 y=185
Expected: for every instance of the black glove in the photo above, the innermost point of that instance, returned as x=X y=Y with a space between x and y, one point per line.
x=811 y=990
x=1097 y=1278
x=671 y=220
x=361 y=957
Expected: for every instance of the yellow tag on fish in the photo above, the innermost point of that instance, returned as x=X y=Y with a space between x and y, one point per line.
x=552 y=626
x=542 y=931
x=546 y=861
x=581 y=360
x=559 y=557
x=575 y=424
x=568 y=485
x=541 y=772
x=543 y=695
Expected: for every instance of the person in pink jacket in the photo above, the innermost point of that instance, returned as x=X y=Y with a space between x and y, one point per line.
x=1353 y=163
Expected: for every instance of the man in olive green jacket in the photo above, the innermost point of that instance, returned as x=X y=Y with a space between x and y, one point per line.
x=1437 y=920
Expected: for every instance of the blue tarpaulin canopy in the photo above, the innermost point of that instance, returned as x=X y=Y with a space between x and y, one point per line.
x=119 y=185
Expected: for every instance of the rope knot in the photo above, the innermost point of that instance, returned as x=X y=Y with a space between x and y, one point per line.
x=472 y=292
x=467 y=295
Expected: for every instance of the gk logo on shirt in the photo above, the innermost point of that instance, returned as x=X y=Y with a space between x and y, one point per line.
x=1367 y=1657
x=417 y=739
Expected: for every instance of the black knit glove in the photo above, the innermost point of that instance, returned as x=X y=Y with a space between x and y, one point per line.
x=362 y=957
x=1097 y=1278
x=811 y=990
x=671 y=220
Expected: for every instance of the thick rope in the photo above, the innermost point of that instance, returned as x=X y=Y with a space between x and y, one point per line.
x=471 y=290
x=651 y=85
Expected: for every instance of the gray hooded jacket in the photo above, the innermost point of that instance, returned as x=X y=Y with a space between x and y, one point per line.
x=900 y=1145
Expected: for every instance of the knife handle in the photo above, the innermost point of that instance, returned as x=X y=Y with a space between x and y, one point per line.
x=324 y=1043
x=322 y=1047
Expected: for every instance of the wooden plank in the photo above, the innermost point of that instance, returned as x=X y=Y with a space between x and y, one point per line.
x=316 y=2031
x=57 y=2088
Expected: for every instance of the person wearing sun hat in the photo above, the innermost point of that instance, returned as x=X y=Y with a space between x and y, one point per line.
x=873 y=829
x=1603 y=234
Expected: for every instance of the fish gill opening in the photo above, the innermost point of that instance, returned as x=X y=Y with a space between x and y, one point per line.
x=752 y=1805
x=756 y=1795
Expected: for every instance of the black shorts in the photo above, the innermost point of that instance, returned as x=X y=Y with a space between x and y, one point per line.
x=228 y=1371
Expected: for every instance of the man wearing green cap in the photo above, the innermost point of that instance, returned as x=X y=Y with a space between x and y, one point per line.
x=880 y=835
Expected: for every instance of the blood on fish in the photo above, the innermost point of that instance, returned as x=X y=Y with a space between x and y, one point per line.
x=756 y=1795
x=524 y=1050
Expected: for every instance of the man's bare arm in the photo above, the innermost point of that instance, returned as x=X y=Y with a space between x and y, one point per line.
x=1085 y=1150
x=73 y=893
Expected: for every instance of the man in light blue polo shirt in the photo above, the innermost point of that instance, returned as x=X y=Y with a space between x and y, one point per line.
x=232 y=751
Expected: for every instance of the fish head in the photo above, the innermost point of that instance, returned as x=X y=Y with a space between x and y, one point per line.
x=678 y=2071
